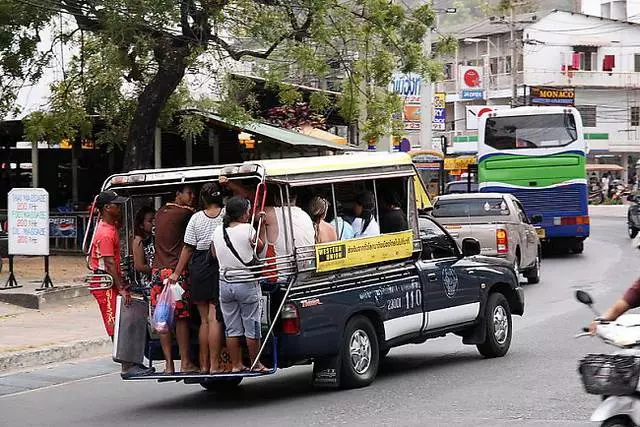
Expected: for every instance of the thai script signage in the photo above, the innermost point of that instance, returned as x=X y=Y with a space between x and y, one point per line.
x=28 y=221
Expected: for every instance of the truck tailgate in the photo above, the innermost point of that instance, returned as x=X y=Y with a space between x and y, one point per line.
x=484 y=233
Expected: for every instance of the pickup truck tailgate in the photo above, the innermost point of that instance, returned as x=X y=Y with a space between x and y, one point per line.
x=484 y=233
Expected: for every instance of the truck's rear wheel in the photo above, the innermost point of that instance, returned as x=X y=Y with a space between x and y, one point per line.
x=533 y=274
x=360 y=353
x=497 y=321
x=622 y=421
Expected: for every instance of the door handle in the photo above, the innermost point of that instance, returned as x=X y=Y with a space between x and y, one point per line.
x=432 y=277
x=471 y=271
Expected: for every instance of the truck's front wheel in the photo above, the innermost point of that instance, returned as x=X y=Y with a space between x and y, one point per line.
x=360 y=353
x=497 y=321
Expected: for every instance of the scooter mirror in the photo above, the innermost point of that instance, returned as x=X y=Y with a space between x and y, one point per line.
x=584 y=298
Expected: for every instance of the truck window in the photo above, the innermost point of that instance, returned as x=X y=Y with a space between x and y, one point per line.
x=470 y=207
x=436 y=243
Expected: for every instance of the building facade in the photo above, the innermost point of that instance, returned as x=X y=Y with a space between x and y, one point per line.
x=597 y=59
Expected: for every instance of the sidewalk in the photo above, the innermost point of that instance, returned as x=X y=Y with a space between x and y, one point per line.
x=36 y=337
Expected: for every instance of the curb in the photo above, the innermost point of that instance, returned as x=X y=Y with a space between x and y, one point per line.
x=57 y=353
x=38 y=300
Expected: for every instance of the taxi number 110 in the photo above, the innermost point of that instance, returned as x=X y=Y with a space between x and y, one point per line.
x=411 y=300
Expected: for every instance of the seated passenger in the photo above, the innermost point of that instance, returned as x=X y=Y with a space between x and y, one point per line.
x=342 y=226
x=318 y=208
x=143 y=248
x=392 y=218
x=239 y=302
x=365 y=224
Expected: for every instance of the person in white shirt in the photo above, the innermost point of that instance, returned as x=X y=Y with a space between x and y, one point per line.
x=239 y=301
x=365 y=224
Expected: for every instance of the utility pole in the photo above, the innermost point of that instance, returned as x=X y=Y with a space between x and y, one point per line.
x=514 y=68
x=426 y=100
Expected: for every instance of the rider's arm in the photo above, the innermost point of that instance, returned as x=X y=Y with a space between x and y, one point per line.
x=237 y=188
x=616 y=310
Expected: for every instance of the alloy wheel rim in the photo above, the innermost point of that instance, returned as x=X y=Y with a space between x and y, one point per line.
x=360 y=351
x=500 y=324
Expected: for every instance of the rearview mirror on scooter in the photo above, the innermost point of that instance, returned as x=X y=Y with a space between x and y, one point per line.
x=584 y=298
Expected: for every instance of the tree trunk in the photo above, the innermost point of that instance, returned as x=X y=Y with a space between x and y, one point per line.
x=172 y=57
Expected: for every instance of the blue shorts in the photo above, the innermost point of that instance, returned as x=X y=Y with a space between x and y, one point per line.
x=240 y=305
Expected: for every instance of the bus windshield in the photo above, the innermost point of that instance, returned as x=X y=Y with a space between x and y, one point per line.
x=530 y=131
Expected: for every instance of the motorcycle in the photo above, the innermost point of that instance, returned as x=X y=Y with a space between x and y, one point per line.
x=614 y=376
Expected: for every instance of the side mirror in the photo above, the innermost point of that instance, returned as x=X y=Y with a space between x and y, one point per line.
x=536 y=219
x=584 y=298
x=470 y=247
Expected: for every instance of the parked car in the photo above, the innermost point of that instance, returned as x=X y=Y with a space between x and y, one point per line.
x=460 y=187
x=633 y=215
x=498 y=222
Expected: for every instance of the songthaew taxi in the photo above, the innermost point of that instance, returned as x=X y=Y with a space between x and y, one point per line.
x=341 y=305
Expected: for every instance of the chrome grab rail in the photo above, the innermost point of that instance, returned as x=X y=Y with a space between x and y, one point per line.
x=104 y=280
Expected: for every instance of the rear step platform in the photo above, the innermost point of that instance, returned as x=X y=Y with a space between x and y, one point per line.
x=198 y=377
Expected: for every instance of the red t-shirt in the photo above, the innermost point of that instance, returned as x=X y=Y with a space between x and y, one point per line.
x=106 y=243
x=632 y=295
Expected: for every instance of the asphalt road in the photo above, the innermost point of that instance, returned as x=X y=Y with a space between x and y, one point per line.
x=441 y=382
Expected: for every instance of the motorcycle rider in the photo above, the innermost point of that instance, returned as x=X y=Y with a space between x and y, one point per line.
x=630 y=299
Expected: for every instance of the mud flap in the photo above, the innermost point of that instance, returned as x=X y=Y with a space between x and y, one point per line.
x=326 y=372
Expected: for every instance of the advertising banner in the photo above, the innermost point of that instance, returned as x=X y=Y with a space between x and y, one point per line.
x=541 y=95
x=63 y=227
x=28 y=221
x=367 y=250
x=439 y=112
x=471 y=82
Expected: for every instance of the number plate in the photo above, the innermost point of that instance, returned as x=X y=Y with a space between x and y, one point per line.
x=541 y=233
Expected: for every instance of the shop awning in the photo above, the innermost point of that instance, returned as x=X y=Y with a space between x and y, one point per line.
x=277 y=134
x=604 y=168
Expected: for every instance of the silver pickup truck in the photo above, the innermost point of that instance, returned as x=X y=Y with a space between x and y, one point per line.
x=498 y=222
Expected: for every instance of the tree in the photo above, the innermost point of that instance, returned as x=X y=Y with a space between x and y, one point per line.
x=142 y=49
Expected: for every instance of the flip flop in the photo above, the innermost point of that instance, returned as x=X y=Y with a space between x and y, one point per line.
x=263 y=370
x=244 y=369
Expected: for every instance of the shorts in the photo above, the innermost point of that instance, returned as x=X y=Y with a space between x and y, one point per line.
x=158 y=276
x=240 y=304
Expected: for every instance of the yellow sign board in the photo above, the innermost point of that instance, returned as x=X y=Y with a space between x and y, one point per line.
x=454 y=163
x=366 y=250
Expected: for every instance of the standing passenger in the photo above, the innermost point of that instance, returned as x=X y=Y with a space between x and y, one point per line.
x=204 y=275
x=365 y=224
x=171 y=222
x=240 y=302
x=143 y=248
x=104 y=258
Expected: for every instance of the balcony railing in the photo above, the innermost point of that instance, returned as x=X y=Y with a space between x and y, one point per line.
x=503 y=81
x=583 y=78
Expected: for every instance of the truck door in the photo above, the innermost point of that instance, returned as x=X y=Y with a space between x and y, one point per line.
x=530 y=251
x=451 y=288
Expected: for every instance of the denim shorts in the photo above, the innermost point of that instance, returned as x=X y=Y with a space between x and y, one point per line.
x=240 y=305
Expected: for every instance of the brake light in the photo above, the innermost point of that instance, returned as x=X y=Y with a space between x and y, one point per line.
x=502 y=241
x=290 y=320
x=571 y=220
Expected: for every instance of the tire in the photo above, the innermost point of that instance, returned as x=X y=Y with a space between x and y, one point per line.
x=221 y=385
x=497 y=321
x=516 y=266
x=360 y=354
x=578 y=247
x=533 y=275
x=622 y=421
x=633 y=232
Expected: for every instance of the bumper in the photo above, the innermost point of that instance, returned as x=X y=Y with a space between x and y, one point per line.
x=581 y=231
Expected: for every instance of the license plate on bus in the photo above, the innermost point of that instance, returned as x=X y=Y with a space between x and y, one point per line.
x=541 y=233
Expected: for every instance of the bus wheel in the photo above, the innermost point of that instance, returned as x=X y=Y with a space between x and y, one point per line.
x=578 y=247
x=221 y=385
x=360 y=353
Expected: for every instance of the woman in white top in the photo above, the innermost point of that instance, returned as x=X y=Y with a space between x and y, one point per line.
x=204 y=274
x=365 y=224
x=240 y=302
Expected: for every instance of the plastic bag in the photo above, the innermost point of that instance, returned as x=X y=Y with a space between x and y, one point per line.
x=163 y=315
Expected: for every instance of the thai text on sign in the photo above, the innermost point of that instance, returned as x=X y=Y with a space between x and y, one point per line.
x=28 y=221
